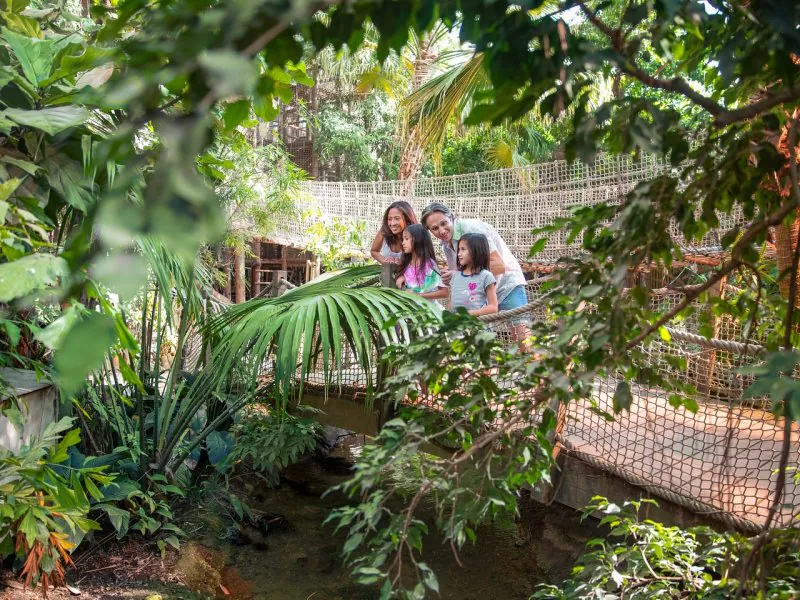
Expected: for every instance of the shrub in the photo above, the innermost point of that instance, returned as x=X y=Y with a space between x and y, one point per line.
x=44 y=505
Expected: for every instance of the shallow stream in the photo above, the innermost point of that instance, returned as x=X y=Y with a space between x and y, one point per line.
x=300 y=559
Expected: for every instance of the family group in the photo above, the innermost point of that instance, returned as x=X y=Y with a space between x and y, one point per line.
x=482 y=275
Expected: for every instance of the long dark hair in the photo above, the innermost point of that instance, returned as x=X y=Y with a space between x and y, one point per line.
x=478 y=245
x=423 y=247
x=408 y=215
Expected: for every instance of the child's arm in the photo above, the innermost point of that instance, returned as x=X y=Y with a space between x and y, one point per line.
x=442 y=292
x=491 y=302
x=400 y=282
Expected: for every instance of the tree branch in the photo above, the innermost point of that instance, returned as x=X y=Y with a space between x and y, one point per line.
x=729 y=265
x=753 y=110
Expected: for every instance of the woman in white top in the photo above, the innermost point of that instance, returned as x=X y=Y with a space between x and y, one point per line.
x=387 y=245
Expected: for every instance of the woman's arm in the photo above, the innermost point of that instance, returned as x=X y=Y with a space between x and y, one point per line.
x=400 y=282
x=496 y=264
x=442 y=292
x=491 y=302
x=375 y=249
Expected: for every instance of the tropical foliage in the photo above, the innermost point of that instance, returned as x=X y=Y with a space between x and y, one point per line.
x=358 y=141
x=644 y=559
x=45 y=503
x=111 y=128
x=335 y=321
x=271 y=441
x=457 y=394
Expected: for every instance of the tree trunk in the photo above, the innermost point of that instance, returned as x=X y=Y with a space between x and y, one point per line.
x=413 y=154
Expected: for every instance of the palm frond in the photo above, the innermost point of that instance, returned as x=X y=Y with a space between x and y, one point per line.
x=442 y=99
x=173 y=275
x=315 y=326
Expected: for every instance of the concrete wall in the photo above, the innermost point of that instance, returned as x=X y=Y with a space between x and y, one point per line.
x=38 y=403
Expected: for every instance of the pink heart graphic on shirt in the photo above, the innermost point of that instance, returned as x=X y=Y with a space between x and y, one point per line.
x=472 y=286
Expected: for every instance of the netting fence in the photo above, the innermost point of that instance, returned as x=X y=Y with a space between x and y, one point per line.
x=514 y=201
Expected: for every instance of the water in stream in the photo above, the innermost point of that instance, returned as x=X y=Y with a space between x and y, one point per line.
x=300 y=559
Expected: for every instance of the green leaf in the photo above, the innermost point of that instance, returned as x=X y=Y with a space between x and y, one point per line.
x=71 y=64
x=622 y=397
x=52 y=335
x=29 y=526
x=229 y=72
x=537 y=247
x=30 y=273
x=353 y=542
x=35 y=56
x=83 y=350
x=120 y=519
x=24 y=165
x=266 y=108
x=49 y=120
x=13 y=332
x=66 y=177
x=235 y=113
x=173 y=541
x=6 y=189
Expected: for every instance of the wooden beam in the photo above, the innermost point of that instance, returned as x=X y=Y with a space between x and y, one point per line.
x=238 y=276
x=255 y=270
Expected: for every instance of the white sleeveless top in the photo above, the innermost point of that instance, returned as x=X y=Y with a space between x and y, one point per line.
x=388 y=253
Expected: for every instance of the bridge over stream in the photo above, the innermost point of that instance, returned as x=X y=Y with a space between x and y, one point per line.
x=719 y=461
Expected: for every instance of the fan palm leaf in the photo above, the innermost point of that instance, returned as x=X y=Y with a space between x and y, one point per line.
x=442 y=99
x=321 y=320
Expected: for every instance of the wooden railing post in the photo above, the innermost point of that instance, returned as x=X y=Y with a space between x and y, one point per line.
x=387 y=275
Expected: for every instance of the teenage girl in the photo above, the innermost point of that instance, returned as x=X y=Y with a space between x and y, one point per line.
x=386 y=247
x=418 y=270
x=474 y=288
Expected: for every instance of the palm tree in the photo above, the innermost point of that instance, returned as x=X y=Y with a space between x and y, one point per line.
x=424 y=54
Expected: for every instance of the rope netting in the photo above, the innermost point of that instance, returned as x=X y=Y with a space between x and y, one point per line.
x=514 y=201
x=720 y=459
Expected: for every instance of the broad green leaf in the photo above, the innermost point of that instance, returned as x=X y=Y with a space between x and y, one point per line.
x=622 y=397
x=6 y=76
x=65 y=175
x=24 y=165
x=228 y=71
x=23 y=24
x=266 y=108
x=83 y=350
x=35 y=56
x=120 y=519
x=235 y=113
x=6 y=189
x=52 y=335
x=71 y=64
x=124 y=274
x=29 y=274
x=29 y=527
x=49 y=120
x=13 y=332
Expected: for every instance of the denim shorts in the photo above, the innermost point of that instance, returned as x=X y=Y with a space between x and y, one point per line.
x=516 y=298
